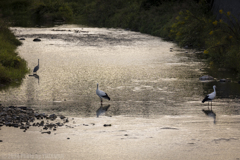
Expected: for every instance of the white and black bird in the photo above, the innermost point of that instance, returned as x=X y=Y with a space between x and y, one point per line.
x=102 y=94
x=36 y=68
x=210 y=97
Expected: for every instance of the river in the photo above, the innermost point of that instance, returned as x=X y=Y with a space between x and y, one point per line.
x=143 y=75
x=155 y=111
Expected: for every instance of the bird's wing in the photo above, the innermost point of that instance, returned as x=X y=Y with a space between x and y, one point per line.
x=212 y=95
x=101 y=93
x=35 y=69
x=106 y=96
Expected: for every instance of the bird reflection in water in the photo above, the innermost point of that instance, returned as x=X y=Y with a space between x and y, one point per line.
x=210 y=113
x=102 y=110
x=36 y=76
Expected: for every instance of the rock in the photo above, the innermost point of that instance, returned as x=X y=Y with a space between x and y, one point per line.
x=16 y=116
x=1 y=141
x=12 y=107
x=24 y=127
x=107 y=125
x=206 y=77
x=23 y=108
x=15 y=125
x=59 y=124
x=45 y=127
x=62 y=117
x=224 y=80
x=31 y=119
x=8 y=124
x=48 y=132
x=169 y=128
x=22 y=39
x=43 y=115
x=67 y=120
x=41 y=123
x=52 y=116
x=36 y=40
x=51 y=125
x=68 y=138
x=37 y=115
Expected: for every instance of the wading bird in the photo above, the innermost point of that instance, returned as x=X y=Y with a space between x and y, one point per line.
x=210 y=97
x=36 y=68
x=102 y=94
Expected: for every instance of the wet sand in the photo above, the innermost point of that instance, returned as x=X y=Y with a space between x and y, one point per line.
x=167 y=137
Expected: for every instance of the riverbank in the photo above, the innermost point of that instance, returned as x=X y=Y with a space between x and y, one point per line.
x=13 y=68
x=168 y=137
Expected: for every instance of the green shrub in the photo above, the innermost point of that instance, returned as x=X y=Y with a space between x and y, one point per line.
x=45 y=11
x=12 y=67
x=223 y=44
x=191 y=26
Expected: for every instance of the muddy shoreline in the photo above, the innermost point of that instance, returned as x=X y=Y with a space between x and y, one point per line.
x=169 y=137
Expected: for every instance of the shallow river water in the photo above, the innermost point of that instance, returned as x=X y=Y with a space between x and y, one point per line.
x=143 y=75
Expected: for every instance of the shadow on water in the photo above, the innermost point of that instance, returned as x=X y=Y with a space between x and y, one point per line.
x=102 y=110
x=210 y=113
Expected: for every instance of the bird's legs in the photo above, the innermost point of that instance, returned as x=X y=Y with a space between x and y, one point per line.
x=211 y=105
x=101 y=100
x=208 y=105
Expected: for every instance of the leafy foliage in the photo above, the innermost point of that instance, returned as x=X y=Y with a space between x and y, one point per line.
x=223 y=44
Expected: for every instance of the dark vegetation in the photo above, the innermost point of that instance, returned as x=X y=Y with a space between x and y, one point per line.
x=187 y=22
x=12 y=67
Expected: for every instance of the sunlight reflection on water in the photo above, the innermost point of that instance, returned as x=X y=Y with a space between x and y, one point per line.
x=139 y=72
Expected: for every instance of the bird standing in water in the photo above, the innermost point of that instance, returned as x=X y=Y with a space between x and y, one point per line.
x=36 y=68
x=102 y=94
x=210 y=97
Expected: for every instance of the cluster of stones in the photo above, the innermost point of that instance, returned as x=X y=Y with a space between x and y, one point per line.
x=24 y=117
